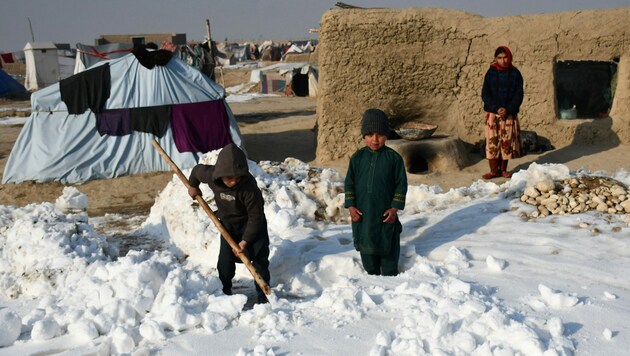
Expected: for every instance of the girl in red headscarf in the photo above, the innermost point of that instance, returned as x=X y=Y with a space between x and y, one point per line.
x=502 y=96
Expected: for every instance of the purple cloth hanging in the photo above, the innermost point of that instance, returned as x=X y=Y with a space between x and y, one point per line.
x=200 y=127
x=113 y=122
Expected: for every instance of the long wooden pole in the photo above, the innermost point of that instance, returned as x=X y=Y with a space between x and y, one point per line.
x=226 y=235
x=30 y=25
x=208 y=32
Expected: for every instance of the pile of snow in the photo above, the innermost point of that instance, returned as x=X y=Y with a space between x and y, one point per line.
x=72 y=200
x=476 y=278
x=236 y=94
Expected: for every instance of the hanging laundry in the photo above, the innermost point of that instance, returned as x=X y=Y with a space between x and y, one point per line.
x=7 y=57
x=86 y=90
x=113 y=122
x=200 y=127
x=151 y=119
x=150 y=59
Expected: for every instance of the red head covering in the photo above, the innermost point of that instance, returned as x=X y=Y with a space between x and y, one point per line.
x=509 y=65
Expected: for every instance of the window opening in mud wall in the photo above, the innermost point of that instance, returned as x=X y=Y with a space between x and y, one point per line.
x=584 y=89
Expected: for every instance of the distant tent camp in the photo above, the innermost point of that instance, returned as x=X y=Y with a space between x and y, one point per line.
x=10 y=87
x=42 y=65
x=87 y=55
x=300 y=79
x=292 y=49
x=231 y=53
x=99 y=123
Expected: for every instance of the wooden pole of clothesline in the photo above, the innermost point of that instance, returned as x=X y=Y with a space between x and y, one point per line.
x=209 y=35
x=208 y=32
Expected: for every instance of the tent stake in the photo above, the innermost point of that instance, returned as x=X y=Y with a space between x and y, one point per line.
x=226 y=235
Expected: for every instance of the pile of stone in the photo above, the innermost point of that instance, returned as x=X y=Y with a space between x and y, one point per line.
x=578 y=195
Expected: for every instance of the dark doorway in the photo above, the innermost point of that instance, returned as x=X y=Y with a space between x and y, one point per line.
x=299 y=83
x=584 y=89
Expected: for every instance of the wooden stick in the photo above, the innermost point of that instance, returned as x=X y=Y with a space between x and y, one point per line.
x=226 y=235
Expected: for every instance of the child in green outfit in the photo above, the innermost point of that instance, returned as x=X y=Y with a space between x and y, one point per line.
x=375 y=189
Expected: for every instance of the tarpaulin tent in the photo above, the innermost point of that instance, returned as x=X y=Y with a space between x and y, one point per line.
x=185 y=106
x=9 y=86
x=88 y=55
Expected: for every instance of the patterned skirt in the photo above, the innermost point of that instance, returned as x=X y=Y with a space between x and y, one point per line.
x=503 y=137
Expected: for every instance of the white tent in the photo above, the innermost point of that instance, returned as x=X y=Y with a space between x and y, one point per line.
x=292 y=49
x=308 y=47
x=301 y=76
x=55 y=145
x=42 y=65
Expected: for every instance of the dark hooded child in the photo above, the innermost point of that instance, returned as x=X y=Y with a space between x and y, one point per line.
x=240 y=207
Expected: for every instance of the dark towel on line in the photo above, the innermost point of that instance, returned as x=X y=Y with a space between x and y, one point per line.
x=151 y=119
x=200 y=127
x=113 y=122
x=150 y=59
x=86 y=90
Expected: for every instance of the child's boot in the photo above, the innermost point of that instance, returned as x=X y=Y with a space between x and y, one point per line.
x=494 y=169
x=504 y=171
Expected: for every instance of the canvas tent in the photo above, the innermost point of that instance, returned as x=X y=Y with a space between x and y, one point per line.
x=10 y=87
x=302 y=78
x=292 y=49
x=231 y=53
x=87 y=55
x=42 y=65
x=55 y=145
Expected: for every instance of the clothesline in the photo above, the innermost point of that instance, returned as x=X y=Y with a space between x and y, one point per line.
x=102 y=55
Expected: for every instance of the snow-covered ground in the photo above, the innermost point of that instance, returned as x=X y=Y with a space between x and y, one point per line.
x=477 y=276
x=13 y=120
x=235 y=97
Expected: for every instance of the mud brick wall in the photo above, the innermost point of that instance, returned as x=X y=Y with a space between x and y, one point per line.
x=428 y=64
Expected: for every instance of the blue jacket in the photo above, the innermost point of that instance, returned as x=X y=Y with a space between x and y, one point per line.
x=502 y=88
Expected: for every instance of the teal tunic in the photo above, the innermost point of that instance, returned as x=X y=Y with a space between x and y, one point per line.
x=375 y=182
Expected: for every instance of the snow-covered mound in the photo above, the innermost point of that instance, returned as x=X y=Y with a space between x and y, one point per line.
x=476 y=277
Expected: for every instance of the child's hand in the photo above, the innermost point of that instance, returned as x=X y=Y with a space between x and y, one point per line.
x=242 y=245
x=193 y=192
x=390 y=215
x=355 y=214
x=491 y=122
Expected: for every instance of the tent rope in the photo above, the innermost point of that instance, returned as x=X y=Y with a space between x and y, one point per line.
x=102 y=55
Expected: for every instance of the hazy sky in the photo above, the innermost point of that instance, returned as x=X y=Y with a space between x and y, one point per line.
x=72 y=21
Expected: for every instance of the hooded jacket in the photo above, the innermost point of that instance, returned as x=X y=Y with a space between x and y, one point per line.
x=242 y=204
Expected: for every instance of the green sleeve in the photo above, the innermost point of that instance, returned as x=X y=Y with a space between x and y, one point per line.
x=400 y=178
x=350 y=193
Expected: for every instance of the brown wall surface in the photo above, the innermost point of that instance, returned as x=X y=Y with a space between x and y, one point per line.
x=158 y=38
x=428 y=64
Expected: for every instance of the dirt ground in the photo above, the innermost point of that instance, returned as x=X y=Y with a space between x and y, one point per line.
x=273 y=128
x=263 y=123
